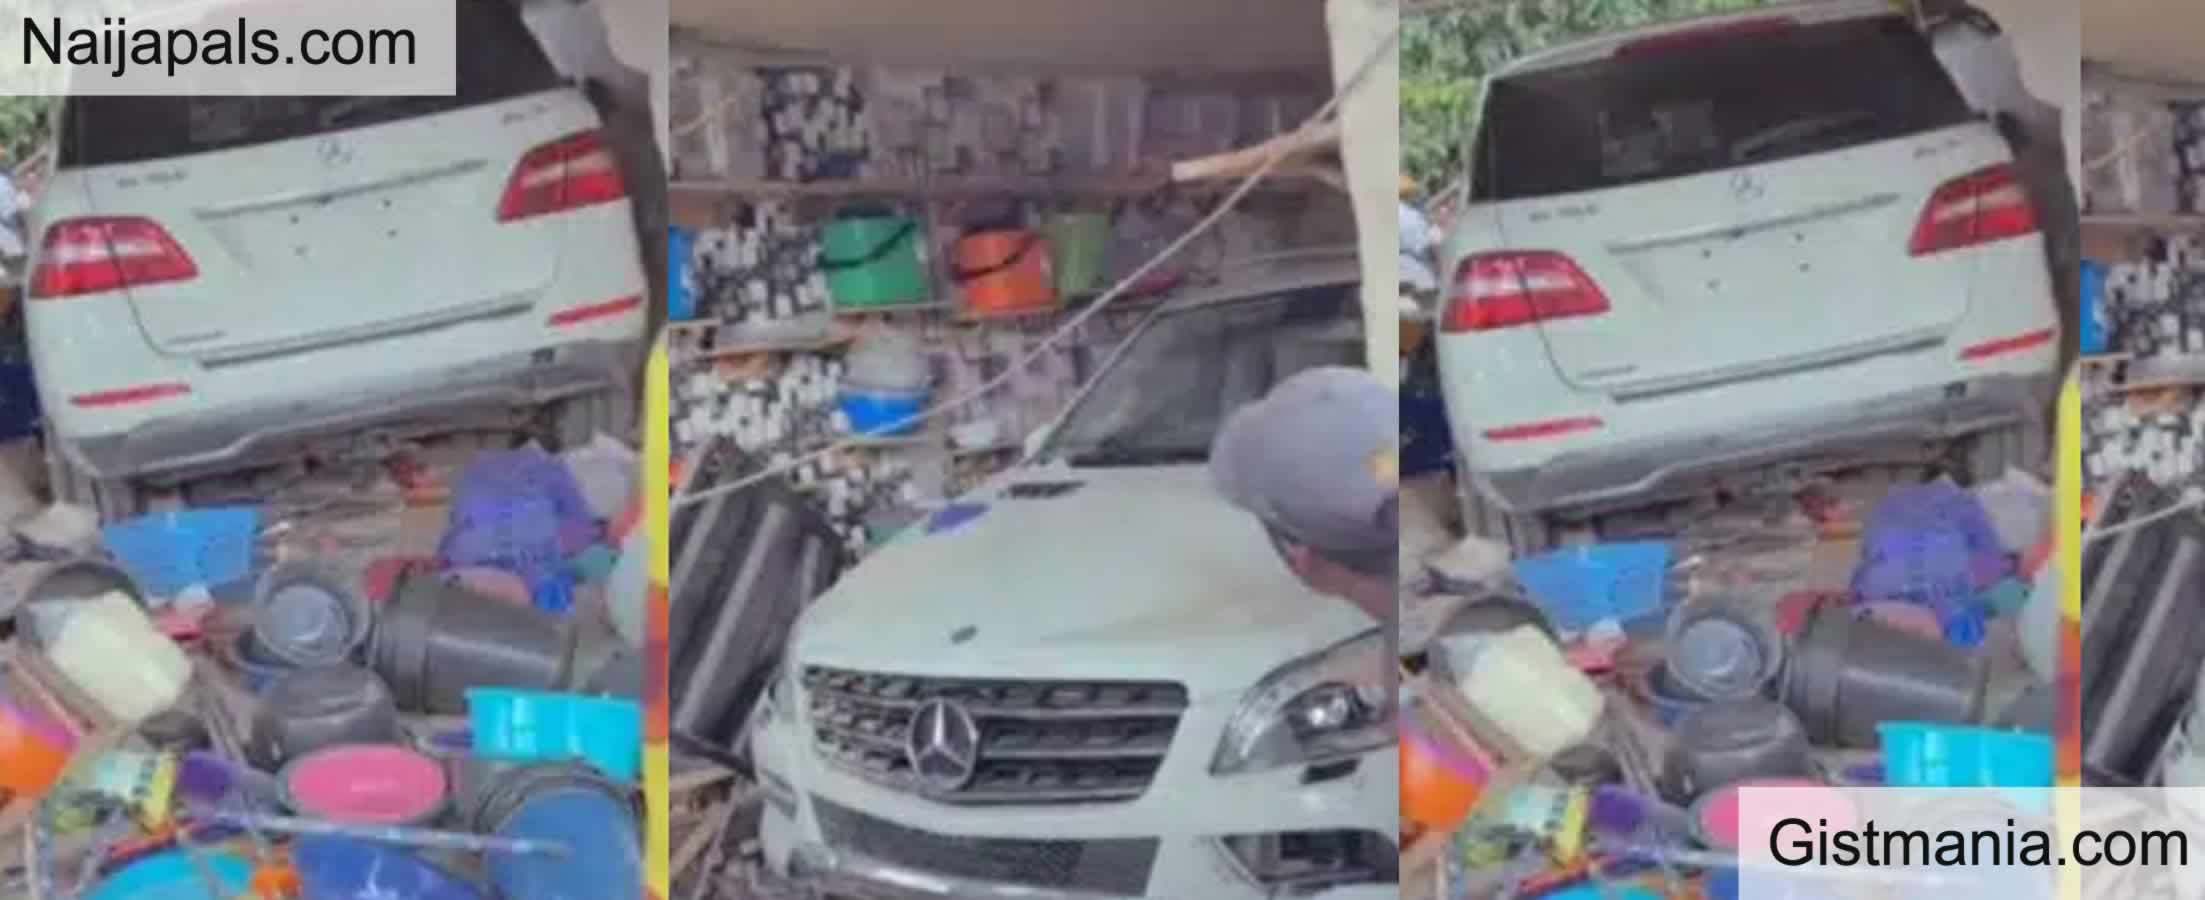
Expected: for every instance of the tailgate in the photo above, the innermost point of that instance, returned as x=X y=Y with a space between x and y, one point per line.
x=1797 y=262
x=1742 y=205
x=348 y=233
x=310 y=220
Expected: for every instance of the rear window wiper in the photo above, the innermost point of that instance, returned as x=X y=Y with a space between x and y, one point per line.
x=1794 y=132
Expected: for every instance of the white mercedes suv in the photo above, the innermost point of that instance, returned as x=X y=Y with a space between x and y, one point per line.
x=222 y=282
x=1095 y=677
x=1715 y=253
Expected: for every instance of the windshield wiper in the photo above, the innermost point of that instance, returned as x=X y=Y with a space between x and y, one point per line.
x=1118 y=452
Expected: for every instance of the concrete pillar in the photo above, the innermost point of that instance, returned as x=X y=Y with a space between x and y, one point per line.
x=2047 y=39
x=636 y=29
x=1370 y=147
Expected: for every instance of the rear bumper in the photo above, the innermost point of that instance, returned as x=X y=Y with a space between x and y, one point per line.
x=1683 y=463
x=211 y=439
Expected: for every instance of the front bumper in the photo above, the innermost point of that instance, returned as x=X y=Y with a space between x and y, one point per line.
x=1182 y=813
x=1679 y=465
x=842 y=872
x=454 y=396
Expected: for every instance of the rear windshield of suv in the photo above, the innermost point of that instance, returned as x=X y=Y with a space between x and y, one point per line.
x=499 y=59
x=1702 y=105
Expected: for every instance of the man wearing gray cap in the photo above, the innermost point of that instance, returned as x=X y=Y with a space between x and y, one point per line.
x=1316 y=462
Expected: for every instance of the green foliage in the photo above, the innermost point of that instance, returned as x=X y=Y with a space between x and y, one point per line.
x=22 y=127
x=1445 y=55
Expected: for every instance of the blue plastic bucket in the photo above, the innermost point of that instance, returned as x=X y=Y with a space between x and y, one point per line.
x=2094 y=337
x=1934 y=755
x=336 y=867
x=609 y=866
x=681 y=305
x=876 y=413
x=1580 y=586
x=539 y=726
x=168 y=552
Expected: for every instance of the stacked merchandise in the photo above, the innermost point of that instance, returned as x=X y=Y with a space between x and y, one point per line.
x=2147 y=155
x=717 y=110
x=815 y=124
x=2156 y=304
x=759 y=277
x=2163 y=446
x=2149 y=303
x=2189 y=147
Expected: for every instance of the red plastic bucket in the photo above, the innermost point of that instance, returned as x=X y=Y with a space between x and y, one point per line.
x=1005 y=271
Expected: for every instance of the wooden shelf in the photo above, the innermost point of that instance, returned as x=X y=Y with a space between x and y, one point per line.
x=987 y=450
x=937 y=187
x=898 y=309
x=2145 y=221
x=698 y=203
x=891 y=442
x=1012 y=315
x=816 y=345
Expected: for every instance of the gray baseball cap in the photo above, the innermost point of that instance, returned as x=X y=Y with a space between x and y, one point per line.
x=1317 y=461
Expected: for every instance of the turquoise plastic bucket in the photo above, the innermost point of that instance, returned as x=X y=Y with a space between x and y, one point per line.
x=539 y=726
x=1935 y=755
x=171 y=875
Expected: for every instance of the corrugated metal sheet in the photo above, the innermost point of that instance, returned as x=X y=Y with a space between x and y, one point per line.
x=743 y=565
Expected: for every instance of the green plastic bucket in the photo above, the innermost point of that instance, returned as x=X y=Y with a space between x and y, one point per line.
x=1078 y=242
x=873 y=261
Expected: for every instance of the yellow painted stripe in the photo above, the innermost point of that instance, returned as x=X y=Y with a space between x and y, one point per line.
x=657 y=757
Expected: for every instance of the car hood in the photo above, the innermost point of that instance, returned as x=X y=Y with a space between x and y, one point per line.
x=1122 y=573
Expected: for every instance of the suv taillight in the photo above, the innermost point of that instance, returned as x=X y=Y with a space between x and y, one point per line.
x=569 y=173
x=96 y=255
x=1977 y=208
x=1493 y=291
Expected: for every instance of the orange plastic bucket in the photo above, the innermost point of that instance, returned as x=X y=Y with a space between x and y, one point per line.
x=1005 y=271
x=1439 y=785
x=34 y=750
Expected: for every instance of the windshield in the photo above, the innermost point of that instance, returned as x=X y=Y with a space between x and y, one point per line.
x=1675 y=111
x=1163 y=401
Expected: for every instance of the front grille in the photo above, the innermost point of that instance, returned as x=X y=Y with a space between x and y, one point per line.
x=1040 y=741
x=1116 y=866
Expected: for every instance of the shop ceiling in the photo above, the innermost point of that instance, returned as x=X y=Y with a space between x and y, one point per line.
x=1197 y=38
x=2146 y=38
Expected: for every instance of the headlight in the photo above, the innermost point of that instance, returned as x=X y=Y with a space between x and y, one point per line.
x=1323 y=707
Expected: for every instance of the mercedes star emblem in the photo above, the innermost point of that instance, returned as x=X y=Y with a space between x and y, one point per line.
x=1745 y=187
x=943 y=745
x=334 y=153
